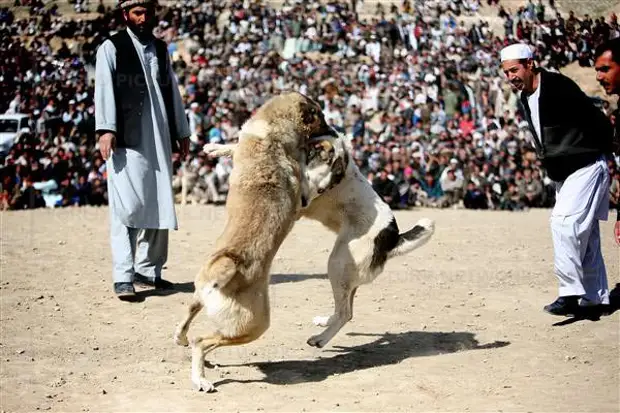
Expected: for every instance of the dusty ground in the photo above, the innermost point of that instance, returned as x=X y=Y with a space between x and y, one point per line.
x=455 y=326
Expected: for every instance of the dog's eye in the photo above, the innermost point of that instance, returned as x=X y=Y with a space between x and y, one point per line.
x=310 y=115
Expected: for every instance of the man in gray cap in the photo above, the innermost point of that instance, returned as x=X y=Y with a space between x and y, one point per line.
x=572 y=140
x=140 y=120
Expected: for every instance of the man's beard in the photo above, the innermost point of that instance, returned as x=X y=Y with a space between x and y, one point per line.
x=144 y=32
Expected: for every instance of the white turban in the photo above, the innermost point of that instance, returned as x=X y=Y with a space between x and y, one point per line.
x=516 y=51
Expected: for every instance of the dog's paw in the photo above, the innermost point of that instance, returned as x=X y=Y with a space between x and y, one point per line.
x=209 y=148
x=321 y=321
x=217 y=150
x=202 y=384
x=181 y=340
x=316 y=341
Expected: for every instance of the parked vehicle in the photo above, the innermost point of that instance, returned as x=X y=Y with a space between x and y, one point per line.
x=11 y=128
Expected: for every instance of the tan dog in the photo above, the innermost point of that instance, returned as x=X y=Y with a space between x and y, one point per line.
x=341 y=198
x=266 y=190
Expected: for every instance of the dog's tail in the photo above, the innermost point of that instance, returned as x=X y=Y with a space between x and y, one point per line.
x=414 y=238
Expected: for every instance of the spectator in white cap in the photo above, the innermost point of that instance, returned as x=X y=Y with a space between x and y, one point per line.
x=195 y=118
x=572 y=140
x=140 y=120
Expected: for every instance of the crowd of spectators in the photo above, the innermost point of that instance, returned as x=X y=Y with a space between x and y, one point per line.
x=418 y=90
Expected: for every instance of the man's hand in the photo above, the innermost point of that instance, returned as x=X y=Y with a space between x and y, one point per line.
x=617 y=232
x=184 y=147
x=107 y=143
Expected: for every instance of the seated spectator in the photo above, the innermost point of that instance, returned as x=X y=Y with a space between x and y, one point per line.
x=387 y=189
x=511 y=199
x=27 y=197
x=83 y=190
x=69 y=193
x=98 y=194
x=531 y=189
x=452 y=187
x=474 y=197
x=432 y=194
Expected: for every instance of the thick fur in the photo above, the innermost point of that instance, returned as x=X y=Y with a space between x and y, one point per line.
x=342 y=200
x=267 y=185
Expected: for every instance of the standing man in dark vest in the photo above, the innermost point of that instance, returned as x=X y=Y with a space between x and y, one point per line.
x=607 y=66
x=572 y=139
x=140 y=120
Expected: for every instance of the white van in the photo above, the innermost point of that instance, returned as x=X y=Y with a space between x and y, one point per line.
x=11 y=127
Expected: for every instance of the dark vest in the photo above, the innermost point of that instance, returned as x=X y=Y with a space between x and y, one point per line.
x=616 y=147
x=130 y=89
x=574 y=131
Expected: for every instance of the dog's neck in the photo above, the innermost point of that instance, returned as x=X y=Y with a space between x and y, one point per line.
x=355 y=193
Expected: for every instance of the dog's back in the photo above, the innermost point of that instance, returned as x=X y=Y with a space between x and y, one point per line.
x=261 y=205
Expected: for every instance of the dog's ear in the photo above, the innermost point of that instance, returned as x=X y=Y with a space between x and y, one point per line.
x=339 y=169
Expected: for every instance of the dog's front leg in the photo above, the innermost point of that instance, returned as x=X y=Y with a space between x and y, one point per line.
x=217 y=149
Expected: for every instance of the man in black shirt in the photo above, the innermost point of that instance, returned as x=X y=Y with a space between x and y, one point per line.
x=572 y=140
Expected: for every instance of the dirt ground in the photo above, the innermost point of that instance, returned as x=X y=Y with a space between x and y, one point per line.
x=455 y=326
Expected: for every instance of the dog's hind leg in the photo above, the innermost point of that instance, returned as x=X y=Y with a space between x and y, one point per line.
x=180 y=334
x=343 y=314
x=204 y=345
x=344 y=293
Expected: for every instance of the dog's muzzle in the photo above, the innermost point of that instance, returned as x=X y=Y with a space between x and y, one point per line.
x=323 y=134
x=304 y=201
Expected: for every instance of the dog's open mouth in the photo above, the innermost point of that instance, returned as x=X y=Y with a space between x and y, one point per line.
x=319 y=138
x=322 y=134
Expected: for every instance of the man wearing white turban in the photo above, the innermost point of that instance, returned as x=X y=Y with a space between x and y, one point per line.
x=572 y=140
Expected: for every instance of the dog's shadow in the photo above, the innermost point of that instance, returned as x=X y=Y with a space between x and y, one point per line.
x=291 y=278
x=387 y=349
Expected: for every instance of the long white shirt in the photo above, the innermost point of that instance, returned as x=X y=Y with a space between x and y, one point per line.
x=532 y=102
x=140 y=178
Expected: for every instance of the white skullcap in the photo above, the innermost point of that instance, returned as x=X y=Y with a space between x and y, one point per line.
x=516 y=51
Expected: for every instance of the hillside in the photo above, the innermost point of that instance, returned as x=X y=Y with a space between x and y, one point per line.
x=367 y=10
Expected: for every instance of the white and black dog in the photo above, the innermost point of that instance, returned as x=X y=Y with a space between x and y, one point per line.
x=343 y=200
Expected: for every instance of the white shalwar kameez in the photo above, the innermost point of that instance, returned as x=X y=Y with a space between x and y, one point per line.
x=139 y=178
x=582 y=200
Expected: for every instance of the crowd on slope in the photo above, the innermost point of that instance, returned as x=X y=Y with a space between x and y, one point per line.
x=431 y=119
